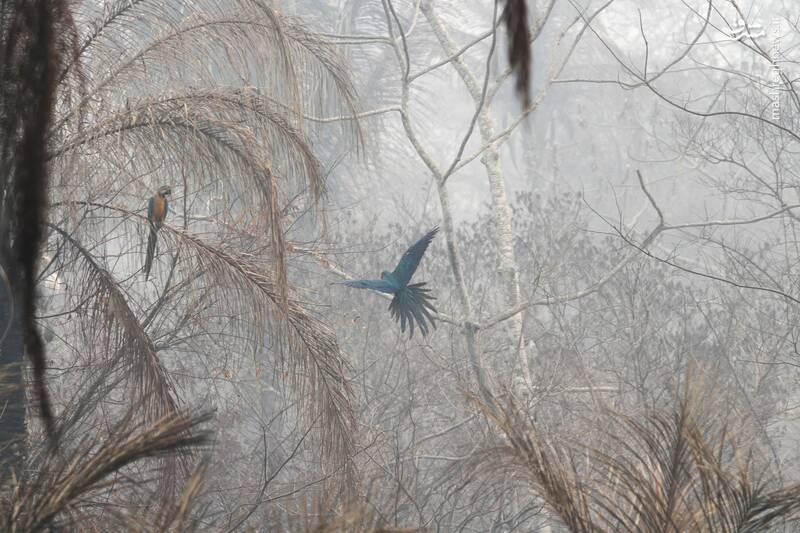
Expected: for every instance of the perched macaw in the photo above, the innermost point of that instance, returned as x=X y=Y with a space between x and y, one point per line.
x=157 y=209
x=410 y=302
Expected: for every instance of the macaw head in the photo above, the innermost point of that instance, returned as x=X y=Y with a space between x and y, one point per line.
x=385 y=274
x=164 y=191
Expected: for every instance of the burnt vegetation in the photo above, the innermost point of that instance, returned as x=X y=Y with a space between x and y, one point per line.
x=591 y=367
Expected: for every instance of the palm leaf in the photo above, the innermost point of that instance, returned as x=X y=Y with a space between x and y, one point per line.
x=113 y=317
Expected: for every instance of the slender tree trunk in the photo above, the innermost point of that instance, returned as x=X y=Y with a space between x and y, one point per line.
x=500 y=208
x=482 y=375
x=481 y=371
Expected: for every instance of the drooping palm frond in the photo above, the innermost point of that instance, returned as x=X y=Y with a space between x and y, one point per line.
x=241 y=43
x=248 y=142
x=670 y=471
x=319 y=512
x=211 y=98
x=170 y=129
x=124 y=334
x=241 y=285
x=244 y=132
x=308 y=347
x=177 y=516
x=533 y=462
x=128 y=480
x=69 y=490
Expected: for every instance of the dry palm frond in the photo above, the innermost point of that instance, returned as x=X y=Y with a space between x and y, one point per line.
x=241 y=41
x=177 y=516
x=529 y=458
x=320 y=514
x=64 y=489
x=210 y=97
x=306 y=345
x=732 y=500
x=166 y=128
x=125 y=334
x=248 y=142
x=183 y=115
x=128 y=114
x=650 y=478
x=310 y=347
x=667 y=472
x=355 y=520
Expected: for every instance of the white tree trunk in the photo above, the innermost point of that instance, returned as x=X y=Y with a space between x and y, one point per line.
x=468 y=323
x=500 y=209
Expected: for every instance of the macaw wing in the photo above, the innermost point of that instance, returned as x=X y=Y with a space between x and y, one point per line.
x=410 y=261
x=413 y=304
x=379 y=285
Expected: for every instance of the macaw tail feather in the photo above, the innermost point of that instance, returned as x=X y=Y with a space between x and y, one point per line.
x=413 y=303
x=151 y=251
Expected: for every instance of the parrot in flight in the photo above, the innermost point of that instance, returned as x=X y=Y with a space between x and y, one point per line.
x=157 y=209
x=410 y=302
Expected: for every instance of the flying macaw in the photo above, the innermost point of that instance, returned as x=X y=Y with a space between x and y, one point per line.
x=410 y=302
x=157 y=209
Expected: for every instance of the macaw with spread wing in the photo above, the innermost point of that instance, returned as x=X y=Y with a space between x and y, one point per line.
x=157 y=209
x=410 y=302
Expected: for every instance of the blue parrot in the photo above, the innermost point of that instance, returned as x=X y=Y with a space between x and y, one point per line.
x=410 y=302
x=157 y=209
